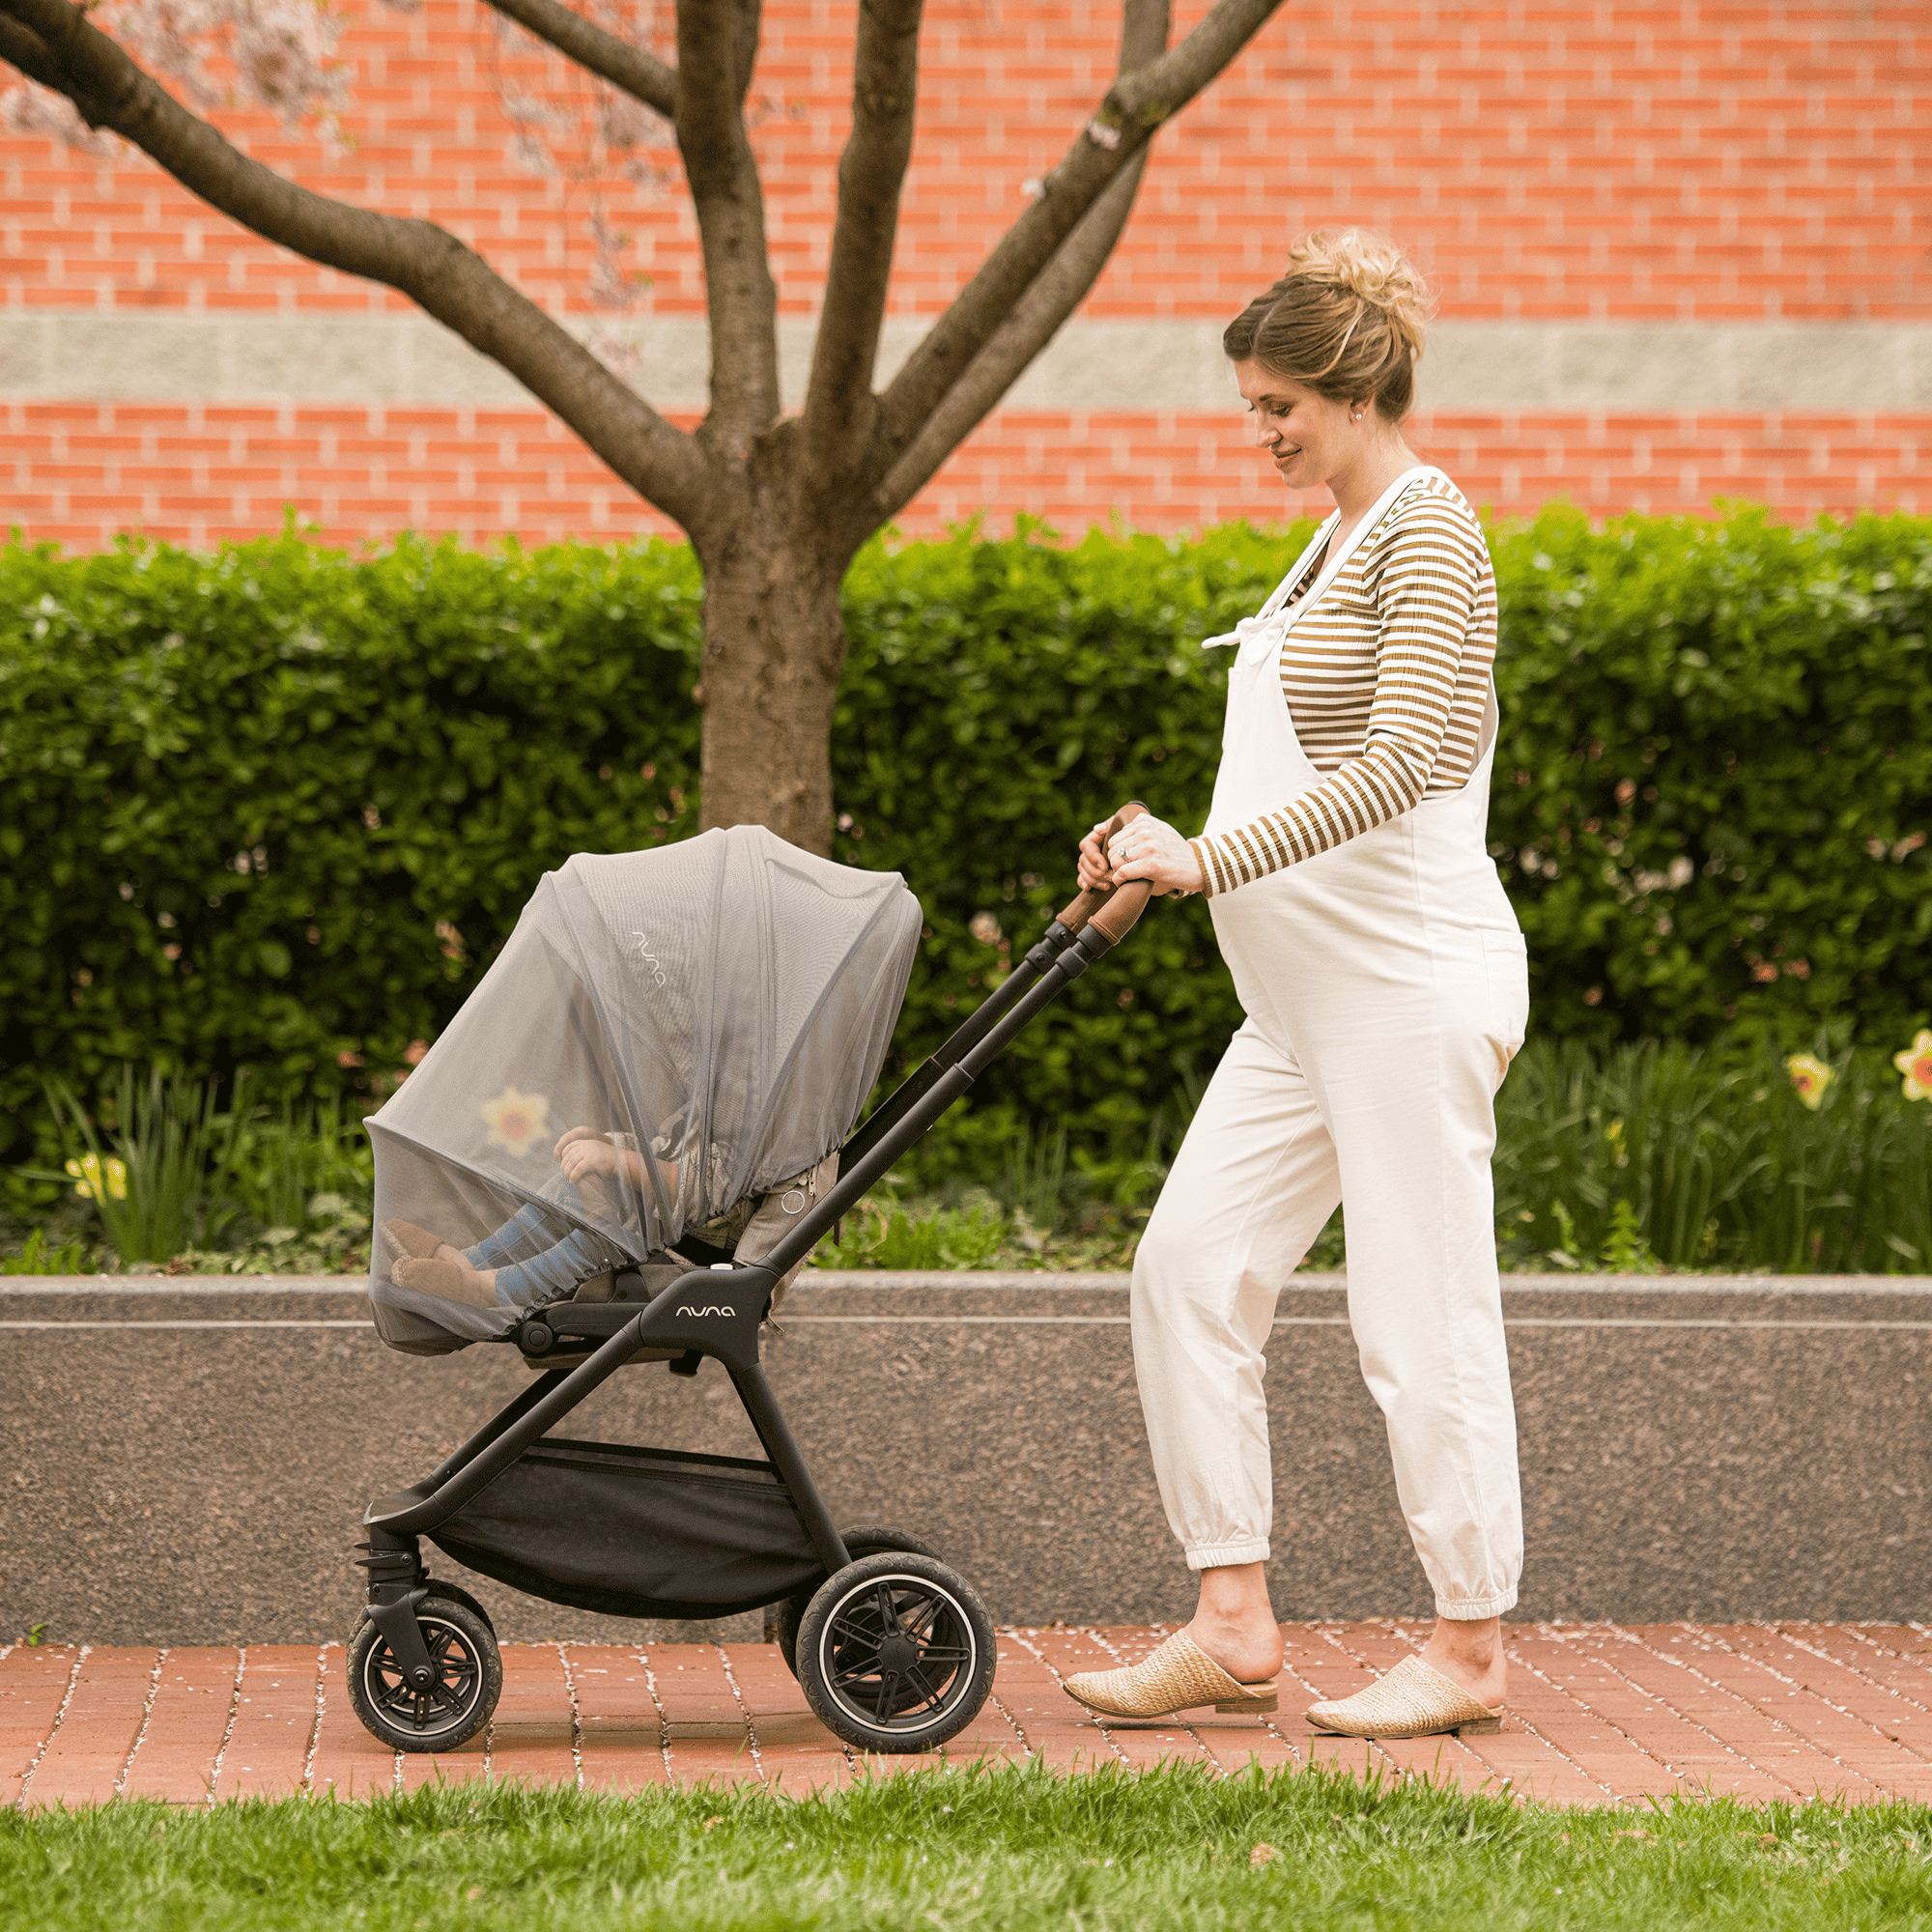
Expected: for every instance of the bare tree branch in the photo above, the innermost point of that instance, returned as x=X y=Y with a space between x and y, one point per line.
x=839 y=406
x=1057 y=291
x=1135 y=105
x=640 y=74
x=426 y=263
x=1036 y=318
x=1144 y=25
x=716 y=42
x=746 y=17
x=21 y=47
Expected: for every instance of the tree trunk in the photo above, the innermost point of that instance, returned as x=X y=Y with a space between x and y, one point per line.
x=774 y=648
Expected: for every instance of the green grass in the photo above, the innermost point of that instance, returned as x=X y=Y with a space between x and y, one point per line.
x=1004 y=1848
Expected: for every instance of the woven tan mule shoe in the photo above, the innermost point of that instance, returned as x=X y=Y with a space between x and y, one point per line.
x=1414 y=1700
x=405 y=1237
x=1179 y=1676
x=447 y=1280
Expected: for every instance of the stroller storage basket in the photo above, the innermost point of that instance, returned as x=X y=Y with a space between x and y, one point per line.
x=636 y=1532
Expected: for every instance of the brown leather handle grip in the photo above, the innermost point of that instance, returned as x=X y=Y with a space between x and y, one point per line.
x=1114 y=909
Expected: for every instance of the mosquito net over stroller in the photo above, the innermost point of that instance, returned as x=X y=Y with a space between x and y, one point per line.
x=700 y=1024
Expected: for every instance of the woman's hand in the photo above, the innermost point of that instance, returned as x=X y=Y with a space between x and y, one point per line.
x=580 y=1158
x=1093 y=868
x=1150 y=849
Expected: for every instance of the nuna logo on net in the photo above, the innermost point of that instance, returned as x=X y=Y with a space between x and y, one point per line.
x=650 y=958
x=700 y=1314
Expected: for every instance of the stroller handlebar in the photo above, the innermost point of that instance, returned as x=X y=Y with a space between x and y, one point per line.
x=1111 y=910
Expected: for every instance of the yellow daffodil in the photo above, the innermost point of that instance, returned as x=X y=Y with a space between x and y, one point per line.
x=1811 y=1077
x=1915 y=1063
x=515 y=1120
x=86 y=1172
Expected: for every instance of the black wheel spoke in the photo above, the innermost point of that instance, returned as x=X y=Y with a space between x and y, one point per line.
x=458 y=1669
x=854 y=1633
x=932 y=1696
x=882 y=1703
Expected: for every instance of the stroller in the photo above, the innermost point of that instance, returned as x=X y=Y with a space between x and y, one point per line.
x=623 y=1149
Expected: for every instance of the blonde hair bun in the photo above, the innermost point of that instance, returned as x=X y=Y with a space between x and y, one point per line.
x=1347 y=320
x=1371 y=268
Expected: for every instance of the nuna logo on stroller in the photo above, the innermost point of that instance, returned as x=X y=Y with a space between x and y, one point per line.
x=617 y=1155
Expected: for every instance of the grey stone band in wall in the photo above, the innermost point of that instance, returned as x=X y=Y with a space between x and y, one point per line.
x=1106 y=366
x=185 y=1461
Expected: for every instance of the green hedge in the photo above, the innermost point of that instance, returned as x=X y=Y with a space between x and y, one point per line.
x=277 y=806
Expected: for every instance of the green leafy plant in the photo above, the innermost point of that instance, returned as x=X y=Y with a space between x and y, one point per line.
x=331 y=1237
x=37 y=1257
x=164 y=1185
x=885 y=1236
x=283 y=804
x=1682 y=1158
x=287 y=1159
x=1626 y=1251
x=1034 y=1177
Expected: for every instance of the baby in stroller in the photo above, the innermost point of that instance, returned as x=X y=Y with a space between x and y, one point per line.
x=524 y=1264
x=711 y=1016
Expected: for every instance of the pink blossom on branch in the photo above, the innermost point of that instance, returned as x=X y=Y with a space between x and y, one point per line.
x=277 y=54
x=27 y=109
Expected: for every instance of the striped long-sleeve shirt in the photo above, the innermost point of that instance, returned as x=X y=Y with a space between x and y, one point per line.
x=1387 y=677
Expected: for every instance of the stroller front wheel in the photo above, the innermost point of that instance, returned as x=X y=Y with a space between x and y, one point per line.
x=444 y=1714
x=896 y=1653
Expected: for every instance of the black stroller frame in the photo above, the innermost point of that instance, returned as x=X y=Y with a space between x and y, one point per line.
x=894 y=1650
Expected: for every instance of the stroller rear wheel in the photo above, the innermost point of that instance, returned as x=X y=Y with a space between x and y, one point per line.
x=445 y=1713
x=867 y=1541
x=896 y=1653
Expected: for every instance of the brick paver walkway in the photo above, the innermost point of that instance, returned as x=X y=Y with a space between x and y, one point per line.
x=1597 y=1712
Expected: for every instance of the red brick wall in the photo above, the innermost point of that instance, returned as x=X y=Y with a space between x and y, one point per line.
x=1548 y=159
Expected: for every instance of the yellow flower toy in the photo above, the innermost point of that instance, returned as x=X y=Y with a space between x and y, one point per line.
x=86 y=1173
x=1915 y=1063
x=515 y=1120
x=1811 y=1077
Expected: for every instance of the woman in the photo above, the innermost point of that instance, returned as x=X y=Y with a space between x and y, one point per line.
x=1385 y=985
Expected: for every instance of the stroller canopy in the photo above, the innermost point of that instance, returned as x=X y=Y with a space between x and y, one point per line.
x=711 y=1015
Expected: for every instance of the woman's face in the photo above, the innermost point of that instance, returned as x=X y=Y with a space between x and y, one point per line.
x=1311 y=440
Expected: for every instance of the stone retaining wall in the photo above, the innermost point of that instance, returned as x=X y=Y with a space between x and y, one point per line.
x=185 y=1461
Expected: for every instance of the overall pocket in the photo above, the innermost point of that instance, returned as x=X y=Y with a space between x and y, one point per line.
x=1506 y=962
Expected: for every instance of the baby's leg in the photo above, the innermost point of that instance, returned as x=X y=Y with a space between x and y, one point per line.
x=497 y=1247
x=555 y=1272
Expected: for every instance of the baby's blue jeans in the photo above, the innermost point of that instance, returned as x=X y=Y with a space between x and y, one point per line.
x=552 y=1272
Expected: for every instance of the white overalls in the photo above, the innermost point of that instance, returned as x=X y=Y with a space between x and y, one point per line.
x=1386 y=988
